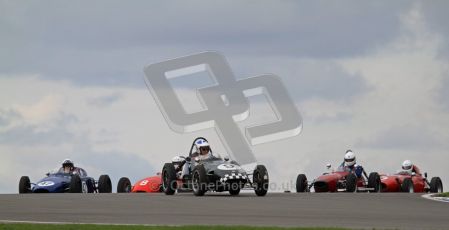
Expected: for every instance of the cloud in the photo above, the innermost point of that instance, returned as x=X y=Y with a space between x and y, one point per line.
x=103 y=101
x=103 y=49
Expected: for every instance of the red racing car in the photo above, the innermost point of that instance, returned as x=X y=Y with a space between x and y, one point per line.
x=340 y=180
x=410 y=182
x=150 y=184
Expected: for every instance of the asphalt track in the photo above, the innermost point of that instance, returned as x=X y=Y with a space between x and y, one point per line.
x=361 y=211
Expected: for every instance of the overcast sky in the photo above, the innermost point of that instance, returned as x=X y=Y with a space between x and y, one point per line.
x=371 y=76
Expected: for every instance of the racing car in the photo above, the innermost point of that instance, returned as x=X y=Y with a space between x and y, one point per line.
x=212 y=174
x=403 y=181
x=59 y=181
x=152 y=184
x=340 y=180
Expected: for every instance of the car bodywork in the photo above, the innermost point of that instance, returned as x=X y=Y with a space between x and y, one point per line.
x=60 y=182
x=213 y=174
x=410 y=182
x=340 y=180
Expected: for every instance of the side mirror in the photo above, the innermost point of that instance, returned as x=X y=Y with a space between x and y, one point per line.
x=425 y=174
x=188 y=159
x=328 y=166
x=47 y=174
x=413 y=174
x=226 y=158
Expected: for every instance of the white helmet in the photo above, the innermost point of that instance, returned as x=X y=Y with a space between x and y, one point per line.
x=407 y=166
x=349 y=158
x=201 y=143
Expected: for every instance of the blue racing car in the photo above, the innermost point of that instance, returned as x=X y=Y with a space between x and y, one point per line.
x=67 y=179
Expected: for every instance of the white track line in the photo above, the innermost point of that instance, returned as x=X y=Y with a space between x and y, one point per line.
x=432 y=197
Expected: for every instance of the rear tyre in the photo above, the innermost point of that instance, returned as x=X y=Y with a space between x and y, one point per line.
x=407 y=186
x=199 y=180
x=124 y=185
x=260 y=180
x=301 y=183
x=75 y=184
x=104 y=184
x=24 y=185
x=234 y=188
x=351 y=183
x=374 y=182
x=169 y=183
x=436 y=186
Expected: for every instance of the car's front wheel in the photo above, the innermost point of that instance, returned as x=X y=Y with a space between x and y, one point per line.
x=124 y=185
x=407 y=186
x=104 y=184
x=351 y=183
x=75 y=184
x=436 y=186
x=199 y=180
x=301 y=183
x=374 y=182
x=234 y=188
x=169 y=183
x=24 y=185
x=260 y=180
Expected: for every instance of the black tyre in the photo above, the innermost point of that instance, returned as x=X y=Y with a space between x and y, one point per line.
x=436 y=186
x=260 y=180
x=124 y=185
x=351 y=183
x=374 y=182
x=104 y=184
x=169 y=184
x=75 y=184
x=301 y=183
x=199 y=180
x=24 y=185
x=407 y=186
x=234 y=188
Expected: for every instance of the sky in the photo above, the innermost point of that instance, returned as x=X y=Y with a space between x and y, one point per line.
x=371 y=76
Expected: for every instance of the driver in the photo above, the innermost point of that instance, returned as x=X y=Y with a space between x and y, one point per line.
x=350 y=165
x=202 y=152
x=68 y=166
x=407 y=167
x=203 y=149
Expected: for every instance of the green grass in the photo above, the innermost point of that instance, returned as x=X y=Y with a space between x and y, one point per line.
x=137 y=227
x=445 y=194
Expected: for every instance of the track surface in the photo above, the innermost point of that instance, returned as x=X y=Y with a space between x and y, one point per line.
x=401 y=211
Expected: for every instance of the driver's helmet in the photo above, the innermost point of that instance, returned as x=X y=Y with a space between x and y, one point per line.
x=177 y=161
x=67 y=166
x=349 y=158
x=202 y=148
x=407 y=166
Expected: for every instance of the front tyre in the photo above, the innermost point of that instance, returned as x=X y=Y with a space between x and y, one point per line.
x=124 y=185
x=199 y=180
x=351 y=183
x=24 y=185
x=169 y=183
x=436 y=186
x=260 y=180
x=374 y=182
x=407 y=186
x=301 y=183
x=104 y=184
x=75 y=184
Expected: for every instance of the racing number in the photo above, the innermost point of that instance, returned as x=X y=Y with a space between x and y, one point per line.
x=144 y=182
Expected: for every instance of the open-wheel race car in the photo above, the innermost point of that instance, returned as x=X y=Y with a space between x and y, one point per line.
x=340 y=180
x=411 y=181
x=151 y=184
x=59 y=181
x=204 y=171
